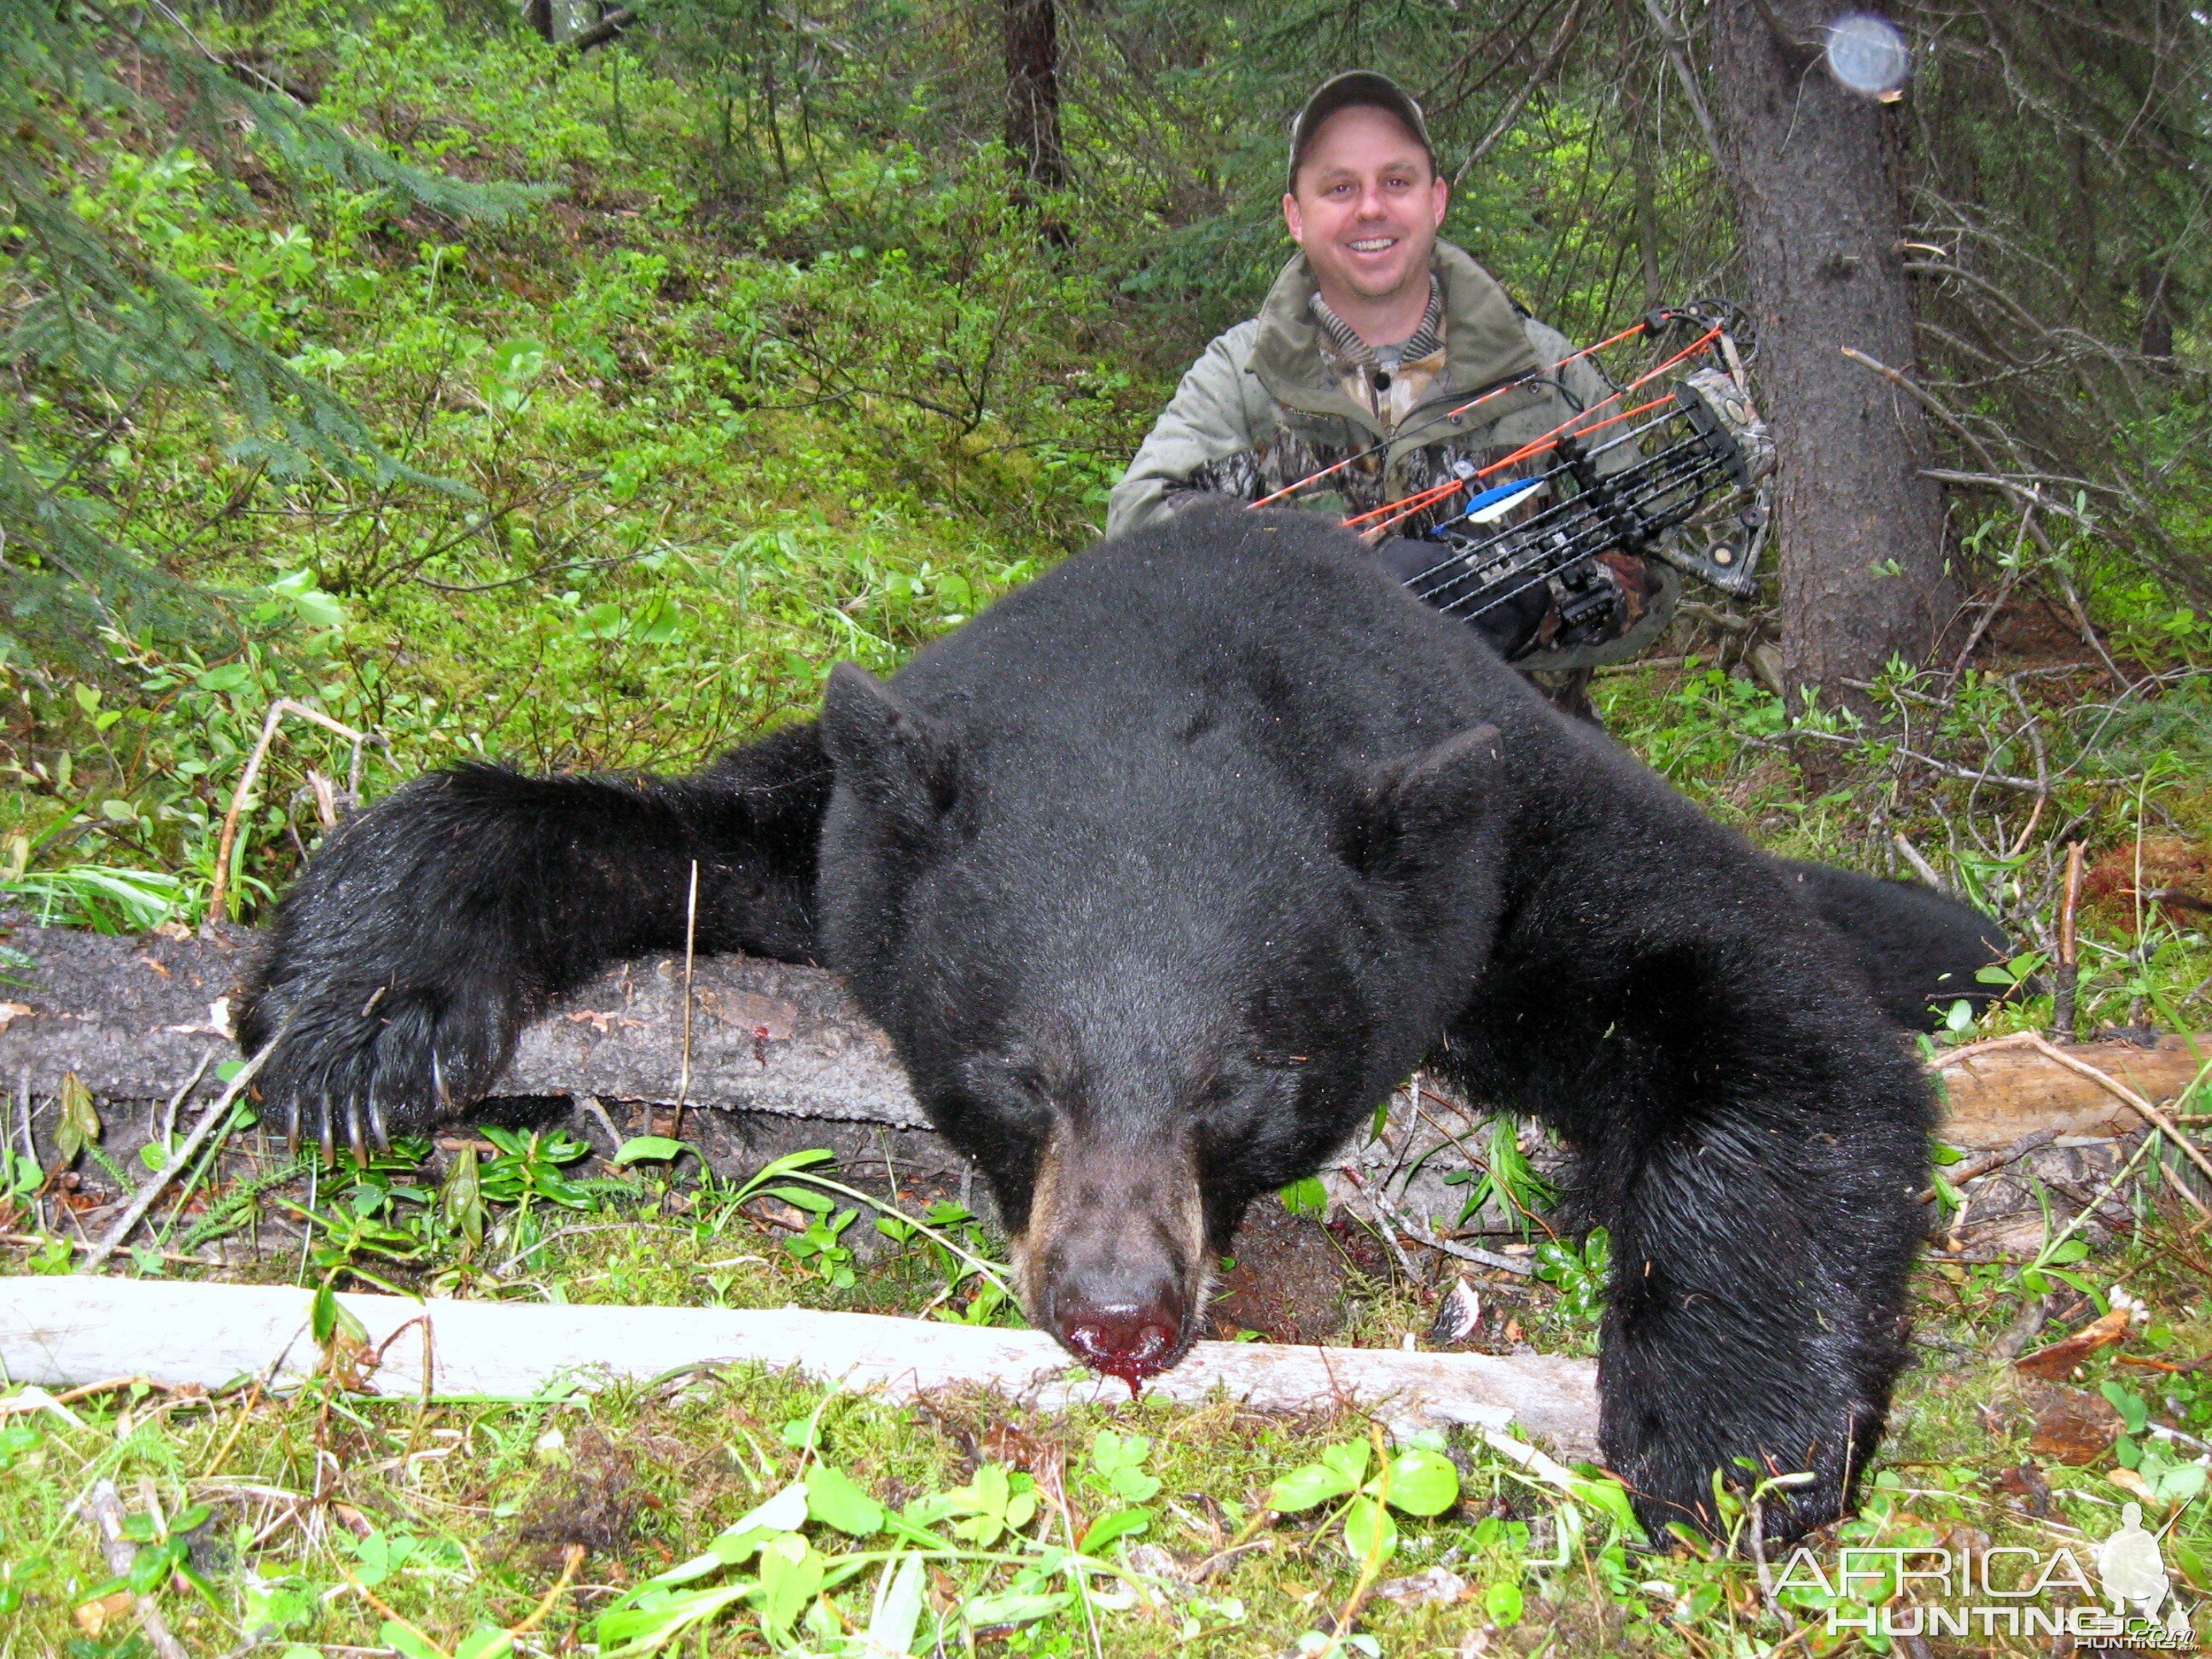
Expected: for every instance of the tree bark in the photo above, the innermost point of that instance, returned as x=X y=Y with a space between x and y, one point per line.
x=1860 y=530
x=133 y=1018
x=1030 y=31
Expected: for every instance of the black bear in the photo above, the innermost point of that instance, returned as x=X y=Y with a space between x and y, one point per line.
x=1160 y=873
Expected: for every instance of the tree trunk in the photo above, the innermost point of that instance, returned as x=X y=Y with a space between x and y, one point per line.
x=1031 y=38
x=1860 y=530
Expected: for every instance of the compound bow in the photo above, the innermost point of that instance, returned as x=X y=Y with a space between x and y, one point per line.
x=1692 y=490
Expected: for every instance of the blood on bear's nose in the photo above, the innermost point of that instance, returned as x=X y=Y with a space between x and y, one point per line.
x=1132 y=1343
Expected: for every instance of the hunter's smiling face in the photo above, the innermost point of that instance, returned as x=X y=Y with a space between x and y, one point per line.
x=1365 y=210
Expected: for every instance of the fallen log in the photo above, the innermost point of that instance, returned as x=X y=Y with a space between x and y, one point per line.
x=1994 y=1095
x=132 y=1016
x=65 y=1332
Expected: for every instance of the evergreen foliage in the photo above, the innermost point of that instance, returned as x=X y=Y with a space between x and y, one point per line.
x=92 y=318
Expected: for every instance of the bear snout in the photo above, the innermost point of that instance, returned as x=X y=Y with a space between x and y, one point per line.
x=1113 y=1261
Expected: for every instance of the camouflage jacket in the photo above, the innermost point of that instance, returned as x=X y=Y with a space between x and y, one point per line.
x=1280 y=398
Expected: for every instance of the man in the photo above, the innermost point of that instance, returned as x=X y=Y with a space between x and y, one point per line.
x=1368 y=338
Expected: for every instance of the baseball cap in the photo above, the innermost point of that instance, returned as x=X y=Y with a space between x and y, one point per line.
x=1342 y=91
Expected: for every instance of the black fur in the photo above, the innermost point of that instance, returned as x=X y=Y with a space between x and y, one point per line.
x=1917 y=950
x=1197 y=846
x=430 y=929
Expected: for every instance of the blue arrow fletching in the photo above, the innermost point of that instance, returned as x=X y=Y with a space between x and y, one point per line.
x=1495 y=503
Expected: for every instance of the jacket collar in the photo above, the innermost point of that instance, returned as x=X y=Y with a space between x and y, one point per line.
x=1484 y=341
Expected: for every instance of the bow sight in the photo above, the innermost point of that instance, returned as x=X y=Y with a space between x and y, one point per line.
x=1684 y=480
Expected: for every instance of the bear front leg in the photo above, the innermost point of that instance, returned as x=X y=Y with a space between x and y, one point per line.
x=431 y=928
x=1763 y=1230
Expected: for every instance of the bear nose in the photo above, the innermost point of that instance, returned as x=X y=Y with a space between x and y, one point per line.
x=1130 y=1342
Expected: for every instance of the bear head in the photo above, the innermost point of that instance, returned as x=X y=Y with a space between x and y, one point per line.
x=1138 y=997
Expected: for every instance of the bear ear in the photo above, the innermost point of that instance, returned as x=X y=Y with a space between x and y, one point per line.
x=1419 y=809
x=891 y=755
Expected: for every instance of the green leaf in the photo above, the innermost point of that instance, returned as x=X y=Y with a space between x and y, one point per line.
x=657 y=1147
x=152 y=1565
x=2180 y=1483
x=1501 y=1601
x=1011 y=1607
x=897 y=1613
x=484 y=1642
x=1117 y=1523
x=1307 y=1198
x=652 y=1616
x=1423 y=1483
x=518 y=361
x=734 y=1545
x=1305 y=1486
x=1609 y=1498
x=80 y=1125
x=408 y=1641
x=834 y=1499
x=805 y=1198
x=2134 y=1413
x=460 y=1201
x=1348 y=1459
x=791 y=1574
x=1135 y=1486
x=1369 y=1531
x=329 y=1319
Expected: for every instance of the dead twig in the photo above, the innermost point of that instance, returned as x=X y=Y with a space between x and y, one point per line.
x=1562 y=38
x=2068 y=983
x=219 y=888
x=103 y=1506
x=1384 y=1208
x=1974 y=1168
x=218 y=1113
x=1921 y=867
x=2090 y=632
x=2120 y=1092
x=169 y=1108
x=1951 y=769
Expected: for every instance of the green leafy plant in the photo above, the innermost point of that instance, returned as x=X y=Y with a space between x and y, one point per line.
x=1417 y=1481
x=821 y=1242
x=767 y=1568
x=1506 y=1175
x=943 y=1229
x=2169 y=1478
x=1580 y=1274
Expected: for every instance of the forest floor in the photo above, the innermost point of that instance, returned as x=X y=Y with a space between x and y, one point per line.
x=333 y=1522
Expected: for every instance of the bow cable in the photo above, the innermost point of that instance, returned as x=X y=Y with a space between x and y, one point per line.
x=1407 y=506
x=1645 y=326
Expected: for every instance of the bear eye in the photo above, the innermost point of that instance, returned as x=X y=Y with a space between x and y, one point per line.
x=1030 y=1080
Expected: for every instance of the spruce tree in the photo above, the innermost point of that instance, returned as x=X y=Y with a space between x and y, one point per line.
x=79 y=309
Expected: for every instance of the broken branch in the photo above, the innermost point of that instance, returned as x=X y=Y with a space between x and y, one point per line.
x=103 y=1508
x=56 y=1331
